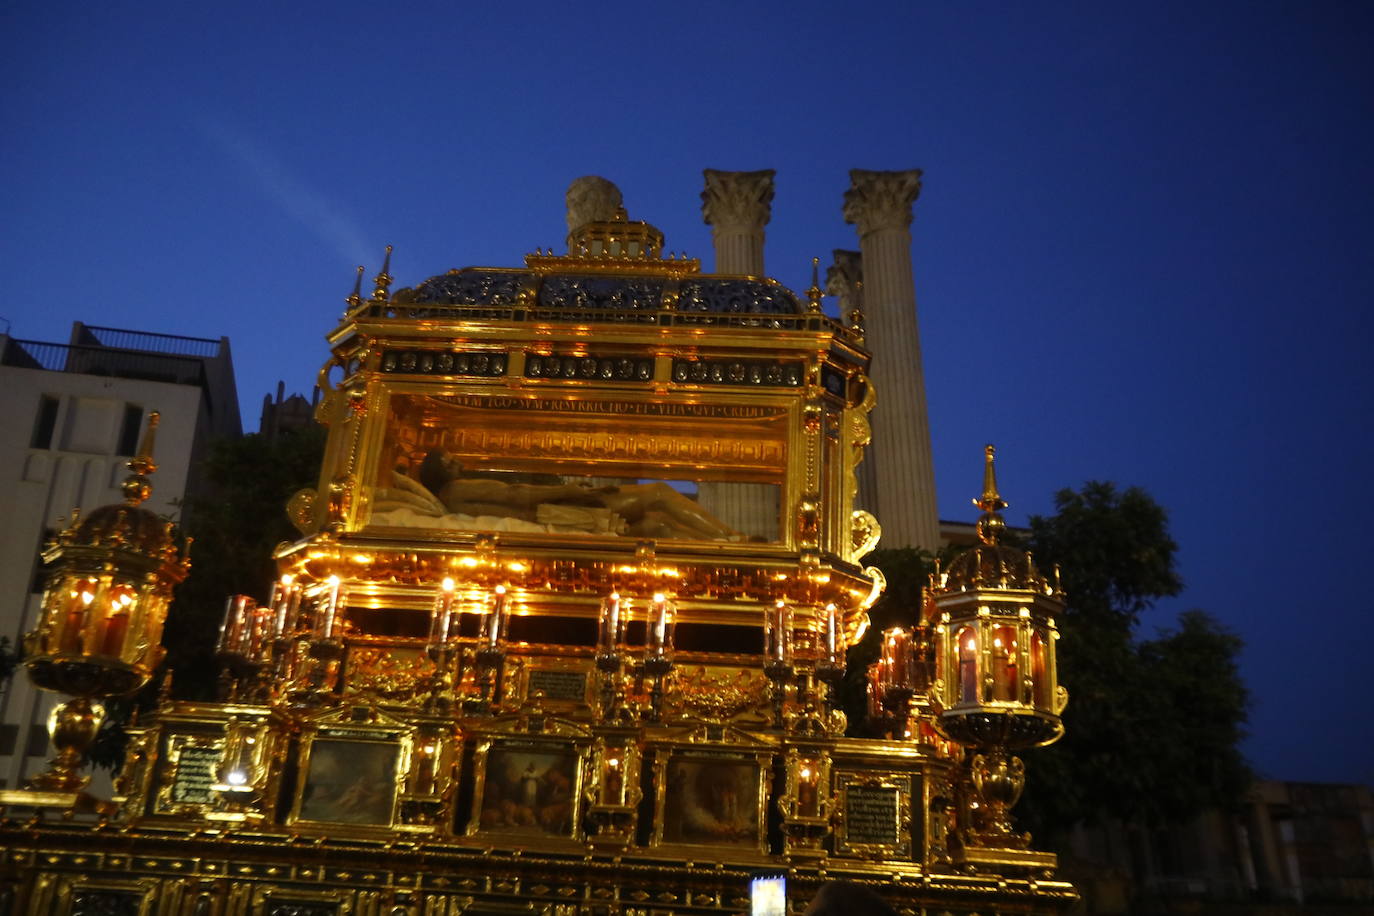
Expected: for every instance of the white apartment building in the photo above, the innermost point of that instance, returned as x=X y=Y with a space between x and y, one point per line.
x=76 y=413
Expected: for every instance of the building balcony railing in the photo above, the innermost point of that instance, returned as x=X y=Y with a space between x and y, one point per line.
x=172 y=344
x=130 y=364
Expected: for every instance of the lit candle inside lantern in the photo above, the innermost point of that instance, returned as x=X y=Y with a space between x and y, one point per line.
x=808 y=801
x=875 y=688
x=441 y=620
x=615 y=779
x=497 y=618
x=779 y=630
x=117 y=624
x=896 y=660
x=832 y=633
x=330 y=611
x=262 y=632
x=286 y=600
x=78 y=607
x=610 y=622
x=658 y=628
x=424 y=769
x=232 y=630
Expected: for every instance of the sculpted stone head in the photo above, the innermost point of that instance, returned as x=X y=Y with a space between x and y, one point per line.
x=592 y=198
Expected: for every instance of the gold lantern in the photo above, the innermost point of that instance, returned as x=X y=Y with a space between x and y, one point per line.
x=996 y=687
x=101 y=624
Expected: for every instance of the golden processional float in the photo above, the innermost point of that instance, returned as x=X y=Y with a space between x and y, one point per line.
x=513 y=665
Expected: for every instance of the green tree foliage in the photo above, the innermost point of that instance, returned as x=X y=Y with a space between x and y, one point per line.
x=235 y=530
x=1152 y=726
x=907 y=570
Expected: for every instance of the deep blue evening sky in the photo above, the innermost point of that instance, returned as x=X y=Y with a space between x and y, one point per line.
x=1143 y=251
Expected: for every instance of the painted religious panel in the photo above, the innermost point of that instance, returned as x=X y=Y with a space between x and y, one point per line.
x=349 y=782
x=596 y=467
x=527 y=788
x=711 y=801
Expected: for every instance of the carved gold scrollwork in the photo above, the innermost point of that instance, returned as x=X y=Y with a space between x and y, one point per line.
x=300 y=509
x=864 y=533
x=326 y=409
x=718 y=697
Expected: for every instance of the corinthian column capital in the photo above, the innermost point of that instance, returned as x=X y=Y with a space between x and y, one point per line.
x=740 y=201
x=843 y=277
x=881 y=200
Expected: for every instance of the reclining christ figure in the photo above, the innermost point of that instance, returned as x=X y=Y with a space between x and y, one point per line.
x=653 y=510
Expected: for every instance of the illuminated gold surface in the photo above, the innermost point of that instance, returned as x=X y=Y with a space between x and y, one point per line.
x=537 y=768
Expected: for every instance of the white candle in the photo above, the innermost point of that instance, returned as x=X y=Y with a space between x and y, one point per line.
x=331 y=609
x=610 y=623
x=442 y=620
x=780 y=631
x=832 y=640
x=658 y=634
x=285 y=589
x=497 y=617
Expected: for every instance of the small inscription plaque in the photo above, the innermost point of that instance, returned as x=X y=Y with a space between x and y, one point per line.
x=558 y=684
x=195 y=774
x=872 y=815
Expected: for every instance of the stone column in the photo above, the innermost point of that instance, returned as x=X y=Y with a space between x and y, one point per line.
x=844 y=280
x=737 y=205
x=879 y=204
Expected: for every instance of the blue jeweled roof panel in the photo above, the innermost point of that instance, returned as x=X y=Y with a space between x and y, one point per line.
x=734 y=295
x=589 y=293
x=470 y=287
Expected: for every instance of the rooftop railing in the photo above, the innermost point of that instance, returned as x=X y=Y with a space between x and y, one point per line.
x=172 y=344
x=130 y=364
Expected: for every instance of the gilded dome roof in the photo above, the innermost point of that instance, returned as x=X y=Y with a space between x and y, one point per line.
x=127 y=526
x=993 y=566
x=122 y=525
x=990 y=565
x=614 y=271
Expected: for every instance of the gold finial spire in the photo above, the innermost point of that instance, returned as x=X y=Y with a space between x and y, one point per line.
x=383 y=279
x=136 y=487
x=856 y=313
x=356 y=299
x=814 y=293
x=991 y=502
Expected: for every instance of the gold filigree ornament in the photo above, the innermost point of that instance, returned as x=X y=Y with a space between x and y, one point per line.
x=719 y=697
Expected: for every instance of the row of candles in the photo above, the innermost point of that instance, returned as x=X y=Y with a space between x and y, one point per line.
x=779 y=632
x=660 y=624
x=248 y=629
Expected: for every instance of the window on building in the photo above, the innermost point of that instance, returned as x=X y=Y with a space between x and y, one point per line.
x=9 y=737
x=45 y=422
x=38 y=741
x=128 y=432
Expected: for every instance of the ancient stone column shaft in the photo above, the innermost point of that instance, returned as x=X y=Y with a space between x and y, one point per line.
x=879 y=204
x=737 y=205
